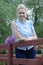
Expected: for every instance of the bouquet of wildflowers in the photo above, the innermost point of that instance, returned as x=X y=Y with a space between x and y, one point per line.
x=10 y=39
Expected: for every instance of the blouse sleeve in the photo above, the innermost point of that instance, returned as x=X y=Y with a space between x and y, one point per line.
x=11 y=26
x=32 y=26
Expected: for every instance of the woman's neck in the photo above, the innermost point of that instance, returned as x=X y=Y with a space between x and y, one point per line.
x=22 y=20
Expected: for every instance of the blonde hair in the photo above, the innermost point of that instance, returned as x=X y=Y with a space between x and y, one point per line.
x=21 y=6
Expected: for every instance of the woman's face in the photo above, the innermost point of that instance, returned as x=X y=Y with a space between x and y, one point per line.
x=22 y=14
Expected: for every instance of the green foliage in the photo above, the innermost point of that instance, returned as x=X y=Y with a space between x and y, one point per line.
x=39 y=29
x=8 y=12
x=37 y=6
x=4 y=32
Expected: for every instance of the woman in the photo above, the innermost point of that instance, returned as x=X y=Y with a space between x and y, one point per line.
x=23 y=29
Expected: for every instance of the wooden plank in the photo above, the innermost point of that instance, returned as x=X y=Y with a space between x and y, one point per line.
x=3 y=59
x=3 y=55
x=4 y=46
x=38 y=41
x=26 y=61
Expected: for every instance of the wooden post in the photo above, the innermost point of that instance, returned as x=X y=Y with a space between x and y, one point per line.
x=10 y=54
x=42 y=60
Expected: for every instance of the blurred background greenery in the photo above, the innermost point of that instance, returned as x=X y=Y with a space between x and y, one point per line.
x=8 y=13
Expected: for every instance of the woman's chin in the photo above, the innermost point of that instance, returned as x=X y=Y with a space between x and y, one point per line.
x=22 y=19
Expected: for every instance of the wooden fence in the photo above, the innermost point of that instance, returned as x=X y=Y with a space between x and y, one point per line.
x=11 y=59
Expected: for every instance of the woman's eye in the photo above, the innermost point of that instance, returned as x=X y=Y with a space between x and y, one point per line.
x=22 y=13
x=19 y=13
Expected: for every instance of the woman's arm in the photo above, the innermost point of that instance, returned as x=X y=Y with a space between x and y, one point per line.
x=33 y=37
x=16 y=32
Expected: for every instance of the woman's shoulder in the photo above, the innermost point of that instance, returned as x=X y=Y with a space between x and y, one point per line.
x=30 y=22
x=14 y=21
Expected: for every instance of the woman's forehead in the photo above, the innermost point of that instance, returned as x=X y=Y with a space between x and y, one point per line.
x=22 y=10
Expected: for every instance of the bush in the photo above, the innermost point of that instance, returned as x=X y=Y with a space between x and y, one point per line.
x=39 y=29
